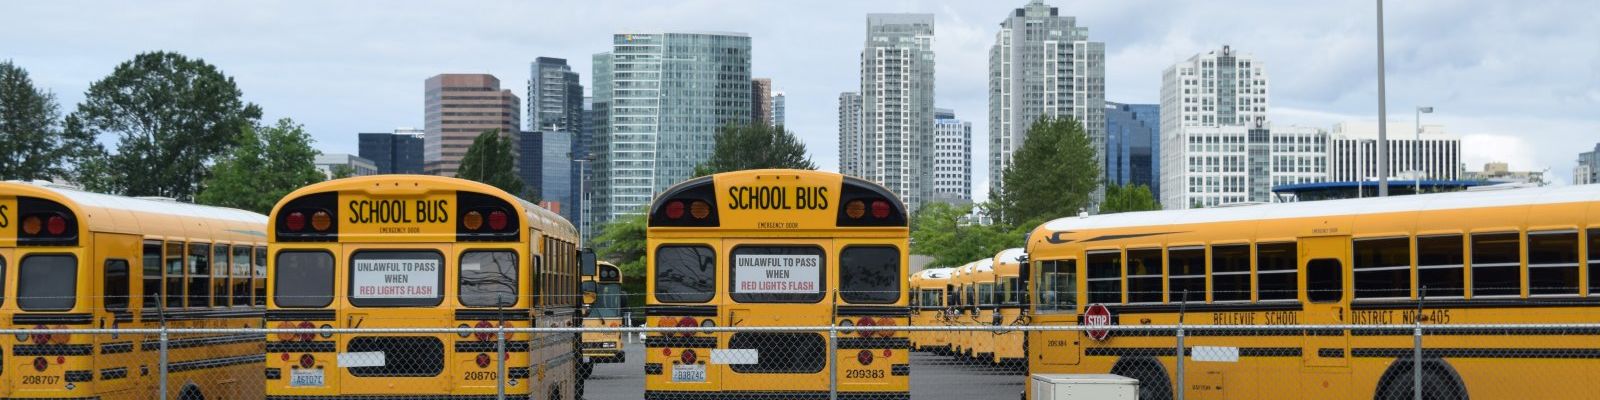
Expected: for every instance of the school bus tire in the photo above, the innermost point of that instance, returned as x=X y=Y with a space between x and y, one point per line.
x=1154 y=383
x=1439 y=381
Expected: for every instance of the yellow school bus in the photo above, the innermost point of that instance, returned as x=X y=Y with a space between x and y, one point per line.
x=1008 y=293
x=1484 y=257
x=979 y=282
x=74 y=259
x=413 y=251
x=603 y=300
x=775 y=248
x=927 y=288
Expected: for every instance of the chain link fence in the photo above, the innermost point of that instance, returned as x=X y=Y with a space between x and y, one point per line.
x=1485 y=361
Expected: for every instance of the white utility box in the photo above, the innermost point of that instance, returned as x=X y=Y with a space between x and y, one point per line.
x=1084 y=387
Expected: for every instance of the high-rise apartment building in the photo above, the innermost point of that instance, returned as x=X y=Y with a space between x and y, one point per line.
x=393 y=153
x=1133 y=137
x=555 y=96
x=1588 y=169
x=897 y=105
x=761 y=100
x=1213 y=106
x=596 y=177
x=1042 y=64
x=663 y=97
x=548 y=170
x=850 y=134
x=1353 y=153
x=952 y=158
x=458 y=107
x=777 y=107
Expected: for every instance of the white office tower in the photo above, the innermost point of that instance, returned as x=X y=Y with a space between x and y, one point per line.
x=1042 y=64
x=952 y=158
x=897 y=104
x=1209 y=105
x=1431 y=154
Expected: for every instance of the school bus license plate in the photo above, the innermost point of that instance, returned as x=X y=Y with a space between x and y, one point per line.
x=305 y=378
x=689 y=373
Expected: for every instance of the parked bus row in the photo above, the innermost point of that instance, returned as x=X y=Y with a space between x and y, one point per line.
x=983 y=300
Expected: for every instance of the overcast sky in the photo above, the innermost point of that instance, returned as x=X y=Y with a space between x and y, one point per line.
x=1518 y=81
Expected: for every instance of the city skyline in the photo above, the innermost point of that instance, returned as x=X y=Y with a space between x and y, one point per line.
x=1515 y=86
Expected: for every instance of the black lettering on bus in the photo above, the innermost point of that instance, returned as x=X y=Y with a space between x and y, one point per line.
x=432 y=211
x=5 y=216
x=811 y=198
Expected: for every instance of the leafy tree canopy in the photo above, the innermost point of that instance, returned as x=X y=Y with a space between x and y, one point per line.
x=491 y=160
x=32 y=145
x=173 y=116
x=622 y=243
x=1126 y=198
x=941 y=231
x=1052 y=175
x=267 y=164
x=755 y=146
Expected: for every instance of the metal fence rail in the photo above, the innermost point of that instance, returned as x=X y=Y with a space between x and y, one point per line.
x=1417 y=361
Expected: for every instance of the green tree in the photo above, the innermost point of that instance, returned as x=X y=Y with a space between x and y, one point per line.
x=342 y=171
x=32 y=146
x=1126 y=198
x=621 y=242
x=941 y=231
x=755 y=146
x=491 y=160
x=267 y=164
x=173 y=115
x=1052 y=175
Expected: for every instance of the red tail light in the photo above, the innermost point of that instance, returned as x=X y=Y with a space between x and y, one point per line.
x=40 y=338
x=880 y=209
x=497 y=220
x=39 y=364
x=864 y=357
x=57 y=225
x=483 y=336
x=867 y=321
x=307 y=361
x=482 y=360
x=687 y=322
x=688 y=356
x=675 y=210
x=295 y=221
x=306 y=336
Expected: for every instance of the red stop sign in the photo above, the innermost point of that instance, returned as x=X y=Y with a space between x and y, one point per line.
x=1097 y=315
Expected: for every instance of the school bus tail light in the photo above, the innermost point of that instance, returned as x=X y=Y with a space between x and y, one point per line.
x=886 y=321
x=309 y=218
x=40 y=364
x=307 y=361
x=667 y=322
x=60 y=337
x=284 y=335
x=864 y=357
x=866 y=321
x=482 y=360
x=497 y=220
x=688 y=356
x=483 y=336
x=867 y=204
x=307 y=335
x=321 y=221
x=687 y=322
x=688 y=204
x=295 y=221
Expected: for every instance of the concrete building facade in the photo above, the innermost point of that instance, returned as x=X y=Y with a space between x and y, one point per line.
x=458 y=107
x=952 y=158
x=1353 y=153
x=555 y=96
x=896 y=89
x=1213 y=108
x=1588 y=169
x=850 y=134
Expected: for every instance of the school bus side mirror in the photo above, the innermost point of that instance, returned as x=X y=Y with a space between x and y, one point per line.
x=586 y=262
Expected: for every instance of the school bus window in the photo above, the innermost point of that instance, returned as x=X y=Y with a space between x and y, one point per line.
x=175 y=275
x=777 y=274
x=971 y=296
x=1382 y=268
x=1009 y=291
x=1440 y=266
x=1553 y=263
x=404 y=278
x=1324 y=280
x=1276 y=271
x=608 y=303
x=47 y=282
x=1144 y=276
x=685 y=274
x=986 y=294
x=303 y=279
x=1186 y=275
x=1496 y=264
x=930 y=298
x=240 y=276
x=488 y=279
x=199 y=275
x=1105 y=277
x=869 y=274
x=1230 y=272
x=1058 y=285
x=1594 y=262
x=116 y=285
x=219 y=275
x=259 y=279
x=952 y=296
x=2 y=281
x=152 y=276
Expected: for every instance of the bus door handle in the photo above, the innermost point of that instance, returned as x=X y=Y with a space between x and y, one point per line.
x=735 y=317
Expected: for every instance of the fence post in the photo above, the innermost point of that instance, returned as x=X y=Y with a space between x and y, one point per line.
x=1180 y=388
x=833 y=362
x=500 y=350
x=163 y=361
x=1416 y=361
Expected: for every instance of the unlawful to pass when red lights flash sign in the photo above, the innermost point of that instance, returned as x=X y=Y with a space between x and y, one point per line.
x=395 y=279
x=763 y=273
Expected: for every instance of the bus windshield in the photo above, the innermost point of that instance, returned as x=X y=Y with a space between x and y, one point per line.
x=609 y=302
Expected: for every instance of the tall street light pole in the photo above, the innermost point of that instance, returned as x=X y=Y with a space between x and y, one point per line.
x=1383 y=116
x=1417 y=146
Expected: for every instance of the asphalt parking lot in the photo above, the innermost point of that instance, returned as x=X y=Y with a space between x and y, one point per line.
x=932 y=377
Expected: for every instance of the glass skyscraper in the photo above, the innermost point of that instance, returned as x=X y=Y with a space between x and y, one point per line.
x=1133 y=137
x=661 y=97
